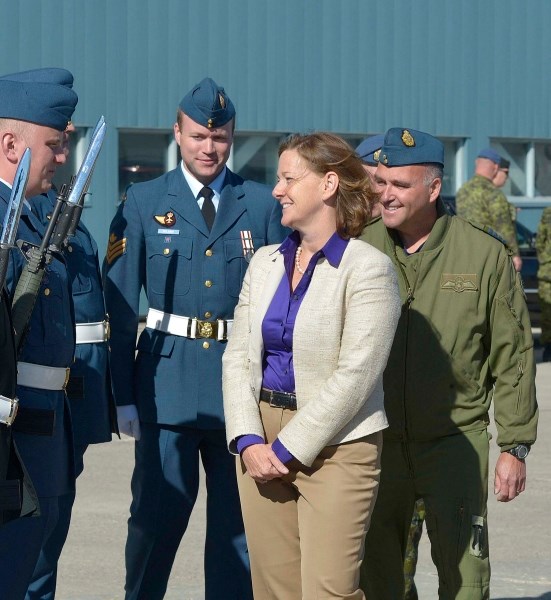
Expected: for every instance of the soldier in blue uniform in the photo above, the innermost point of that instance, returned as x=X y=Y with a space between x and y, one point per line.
x=88 y=388
x=186 y=238
x=17 y=494
x=35 y=114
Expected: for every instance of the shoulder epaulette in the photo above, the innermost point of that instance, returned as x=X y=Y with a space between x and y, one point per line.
x=489 y=231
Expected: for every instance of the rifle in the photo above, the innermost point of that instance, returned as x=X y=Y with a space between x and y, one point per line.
x=11 y=219
x=63 y=223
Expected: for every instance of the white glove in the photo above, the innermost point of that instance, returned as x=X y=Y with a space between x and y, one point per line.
x=128 y=420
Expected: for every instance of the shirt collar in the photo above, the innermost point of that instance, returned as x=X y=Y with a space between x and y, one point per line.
x=196 y=186
x=333 y=249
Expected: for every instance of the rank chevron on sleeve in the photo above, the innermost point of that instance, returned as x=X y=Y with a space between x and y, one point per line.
x=115 y=248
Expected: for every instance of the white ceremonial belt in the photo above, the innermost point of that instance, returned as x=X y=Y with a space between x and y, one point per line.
x=189 y=327
x=8 y=409
x=92 y=333
x=41 y=377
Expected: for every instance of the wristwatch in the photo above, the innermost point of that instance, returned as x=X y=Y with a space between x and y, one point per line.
x=520 y=451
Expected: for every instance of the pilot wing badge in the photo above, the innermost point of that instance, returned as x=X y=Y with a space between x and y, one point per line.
x=459 y=282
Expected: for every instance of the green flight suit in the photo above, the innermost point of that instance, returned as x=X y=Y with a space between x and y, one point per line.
x=480 y=201
x=543 y=248
x=464 y=331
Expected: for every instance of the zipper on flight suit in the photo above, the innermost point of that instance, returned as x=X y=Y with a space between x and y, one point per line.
x=409 y=300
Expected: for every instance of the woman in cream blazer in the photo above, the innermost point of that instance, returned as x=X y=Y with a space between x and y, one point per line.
x=302 y=378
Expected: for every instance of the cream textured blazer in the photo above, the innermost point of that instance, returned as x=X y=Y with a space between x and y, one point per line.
x=341 y=342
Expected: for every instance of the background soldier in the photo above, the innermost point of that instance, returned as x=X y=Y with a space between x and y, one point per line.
x=481 y=201
x=35 y=114
x=186 y=238
x=543 y=248
x=368 y=151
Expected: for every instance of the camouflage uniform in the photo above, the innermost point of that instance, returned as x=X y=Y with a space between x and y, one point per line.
x=543 y=247
x=480 y=201
x=412 y=550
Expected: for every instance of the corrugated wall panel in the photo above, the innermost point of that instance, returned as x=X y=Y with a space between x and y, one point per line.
x=469 y=68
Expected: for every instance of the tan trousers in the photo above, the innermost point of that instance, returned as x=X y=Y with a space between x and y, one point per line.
x=306 y=531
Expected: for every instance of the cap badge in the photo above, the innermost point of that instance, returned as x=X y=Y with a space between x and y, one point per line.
x=221 y=100
x=407 y=138
x=168 y=219
x=376 y=155
x=210 y=123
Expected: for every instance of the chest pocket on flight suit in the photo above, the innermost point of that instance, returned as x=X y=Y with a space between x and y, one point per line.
x=236 y=265
x=169 y=265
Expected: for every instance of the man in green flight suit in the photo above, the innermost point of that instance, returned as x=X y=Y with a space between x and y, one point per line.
x=543 y=248
x=463 y=338
x=481 y=200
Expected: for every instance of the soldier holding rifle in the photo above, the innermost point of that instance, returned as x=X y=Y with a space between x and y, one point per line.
x=35 y=114
x=17 y=495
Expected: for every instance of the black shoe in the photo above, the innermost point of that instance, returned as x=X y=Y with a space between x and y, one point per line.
x=546 y=353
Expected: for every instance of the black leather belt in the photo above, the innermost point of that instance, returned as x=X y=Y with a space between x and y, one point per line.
x=279 y=399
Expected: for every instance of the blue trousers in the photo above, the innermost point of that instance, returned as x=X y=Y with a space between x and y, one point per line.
x=165 y=484
x=44 y=578
x=49 y=460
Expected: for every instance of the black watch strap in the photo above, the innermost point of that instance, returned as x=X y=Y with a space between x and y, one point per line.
x=520 y=451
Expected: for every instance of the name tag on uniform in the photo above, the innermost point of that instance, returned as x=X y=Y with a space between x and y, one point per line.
x=169 y=231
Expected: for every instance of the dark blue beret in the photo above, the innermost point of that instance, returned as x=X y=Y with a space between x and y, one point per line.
x=367 y=150
x=38 y=101
x=44 y=75
x=404 y=147
x=208 y=104
x=490 y=154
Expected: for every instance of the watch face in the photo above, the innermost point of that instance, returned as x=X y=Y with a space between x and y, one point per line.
x=521 y=451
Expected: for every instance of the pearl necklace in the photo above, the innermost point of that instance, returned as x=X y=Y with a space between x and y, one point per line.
x=297 y=260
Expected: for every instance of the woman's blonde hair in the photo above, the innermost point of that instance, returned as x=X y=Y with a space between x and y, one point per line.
x=324 y=152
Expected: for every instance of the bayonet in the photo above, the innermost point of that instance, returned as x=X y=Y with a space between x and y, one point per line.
x=13 y=214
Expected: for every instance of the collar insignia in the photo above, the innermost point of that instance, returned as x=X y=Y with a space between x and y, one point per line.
x=460 y=282
x=168 y=219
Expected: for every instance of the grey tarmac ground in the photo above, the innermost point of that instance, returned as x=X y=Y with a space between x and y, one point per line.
x=92 y=564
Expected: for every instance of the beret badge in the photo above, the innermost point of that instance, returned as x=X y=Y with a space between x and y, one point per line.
x=376 y=155
x=407 y=138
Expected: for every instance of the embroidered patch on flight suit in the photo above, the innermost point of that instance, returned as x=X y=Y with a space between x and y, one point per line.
x=168 y=219
x=116 y=247
x=459 y=282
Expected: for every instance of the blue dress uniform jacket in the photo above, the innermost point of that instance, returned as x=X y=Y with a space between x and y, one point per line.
x=17 y=495
x=89 y=389
x=185 y=270
x=48 y=455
